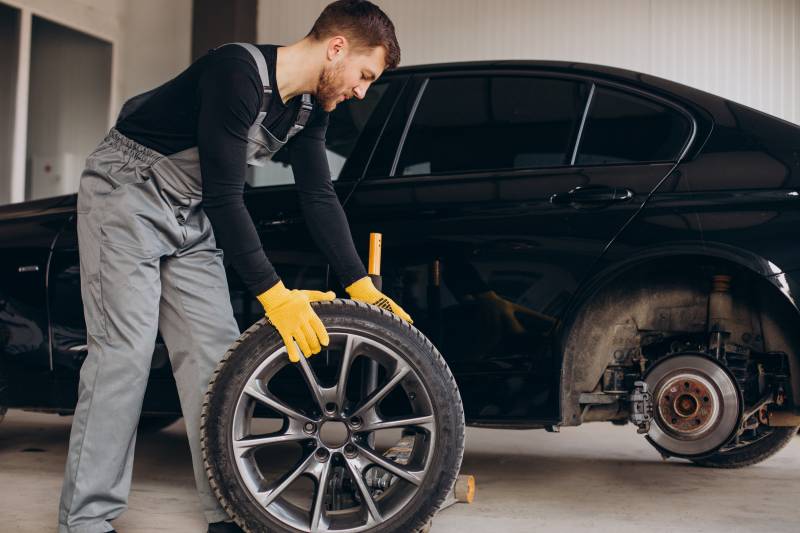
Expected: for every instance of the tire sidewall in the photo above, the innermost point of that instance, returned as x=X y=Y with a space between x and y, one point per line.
x=339 y=315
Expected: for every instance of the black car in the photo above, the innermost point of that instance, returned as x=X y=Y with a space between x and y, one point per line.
x=581 y=243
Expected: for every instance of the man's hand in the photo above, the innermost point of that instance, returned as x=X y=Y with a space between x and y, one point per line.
x=291 y=314
x=364 y=290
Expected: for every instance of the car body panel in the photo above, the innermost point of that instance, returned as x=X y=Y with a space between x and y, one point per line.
x=449 y=236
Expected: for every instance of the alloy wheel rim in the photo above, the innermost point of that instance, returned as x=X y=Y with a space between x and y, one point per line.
x=326 y=460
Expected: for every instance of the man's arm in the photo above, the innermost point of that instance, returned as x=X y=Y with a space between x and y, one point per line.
x=326 y=219
x=229 y=98
x=322 y=210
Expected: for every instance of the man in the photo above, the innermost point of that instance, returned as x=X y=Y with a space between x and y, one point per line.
x=158 y=196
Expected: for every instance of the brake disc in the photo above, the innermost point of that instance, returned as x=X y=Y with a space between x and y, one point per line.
x=697 y=405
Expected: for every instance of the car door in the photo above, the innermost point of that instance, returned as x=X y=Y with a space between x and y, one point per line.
x=495 y=192
x=26 y=235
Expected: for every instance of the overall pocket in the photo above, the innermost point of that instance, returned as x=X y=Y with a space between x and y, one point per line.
x=90 y=251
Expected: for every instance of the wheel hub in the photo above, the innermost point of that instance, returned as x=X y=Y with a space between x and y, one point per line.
x=334 y=434
x=688 y=404
x=697 y=405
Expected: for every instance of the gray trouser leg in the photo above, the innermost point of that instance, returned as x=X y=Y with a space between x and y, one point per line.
x=120 y=290
x=196 y=321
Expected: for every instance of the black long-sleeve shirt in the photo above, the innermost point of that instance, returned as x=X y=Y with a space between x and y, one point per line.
x=212 y=105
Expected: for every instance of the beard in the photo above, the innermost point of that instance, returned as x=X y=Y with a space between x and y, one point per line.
x=328 y=91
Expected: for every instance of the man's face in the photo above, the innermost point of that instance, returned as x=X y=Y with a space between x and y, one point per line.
x=349 y=76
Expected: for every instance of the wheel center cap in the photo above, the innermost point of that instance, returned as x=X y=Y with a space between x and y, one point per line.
x=334 y=434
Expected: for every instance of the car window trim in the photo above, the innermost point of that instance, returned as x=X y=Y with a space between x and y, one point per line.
x=579 y=137
x=407 y=126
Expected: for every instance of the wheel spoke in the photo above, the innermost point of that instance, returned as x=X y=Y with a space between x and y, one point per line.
x=390 y=466
x=357 y=473
x=267 y=497
x=319 y=499
x=425 y=422
x=254 y=391
x=313 y=383
x=344 y=370
x=400 y=372
x=242 y=446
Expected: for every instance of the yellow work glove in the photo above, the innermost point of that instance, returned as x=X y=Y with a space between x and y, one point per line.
x=291 y=313
x=364 y=290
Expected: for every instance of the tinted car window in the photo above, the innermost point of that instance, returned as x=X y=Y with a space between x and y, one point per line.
x=624 y=128
x=347 y=122
x=486 y=123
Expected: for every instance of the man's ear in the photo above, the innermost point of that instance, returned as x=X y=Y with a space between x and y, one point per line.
x=337 y=47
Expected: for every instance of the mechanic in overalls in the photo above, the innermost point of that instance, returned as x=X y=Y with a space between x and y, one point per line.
x=149 y=228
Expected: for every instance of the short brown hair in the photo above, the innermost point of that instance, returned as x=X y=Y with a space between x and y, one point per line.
x=363 y=23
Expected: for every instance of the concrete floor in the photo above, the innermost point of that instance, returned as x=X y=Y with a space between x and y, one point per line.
x=592 y=478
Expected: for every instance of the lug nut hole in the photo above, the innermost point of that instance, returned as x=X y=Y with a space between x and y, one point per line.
x=321 y=454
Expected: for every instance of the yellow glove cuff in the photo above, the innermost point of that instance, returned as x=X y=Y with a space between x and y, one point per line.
x=273 y=296
x=362 y=289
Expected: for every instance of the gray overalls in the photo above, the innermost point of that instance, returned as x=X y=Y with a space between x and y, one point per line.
x=148 y=262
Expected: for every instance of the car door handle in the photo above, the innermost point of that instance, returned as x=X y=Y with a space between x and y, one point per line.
x=592 y=195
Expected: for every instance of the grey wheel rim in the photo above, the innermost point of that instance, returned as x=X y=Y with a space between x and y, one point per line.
x=321 y=455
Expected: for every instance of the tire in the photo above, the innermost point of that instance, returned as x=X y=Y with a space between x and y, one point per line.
x=3 y=411
x=154 y=424
x=750 y=454
x=429 y=376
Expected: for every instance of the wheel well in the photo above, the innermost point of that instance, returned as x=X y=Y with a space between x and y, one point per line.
x=669 y=297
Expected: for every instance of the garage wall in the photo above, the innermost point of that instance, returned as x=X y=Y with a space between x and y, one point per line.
x=68 y=101
x=745 y=50
x=9 y=36
x=157 y=43
x=152 y=38
x=150 y=42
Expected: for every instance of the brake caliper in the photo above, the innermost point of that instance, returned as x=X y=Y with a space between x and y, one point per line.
x=641 y=406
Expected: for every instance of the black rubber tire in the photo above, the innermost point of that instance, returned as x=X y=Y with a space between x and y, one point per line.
x=154 y=424
x=259 y=340
x=752 y=453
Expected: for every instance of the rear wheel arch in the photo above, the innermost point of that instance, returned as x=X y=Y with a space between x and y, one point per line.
x=666 y=291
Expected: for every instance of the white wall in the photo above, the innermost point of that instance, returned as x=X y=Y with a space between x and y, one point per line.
x=152 y=38
x=745 y=50
x=68 y=104
x=9 y=27
x=157 y=43
x=150 y=42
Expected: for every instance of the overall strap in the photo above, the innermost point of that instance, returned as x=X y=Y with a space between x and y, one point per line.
x=263 y=72
x=302 y=116
x=305 y=105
